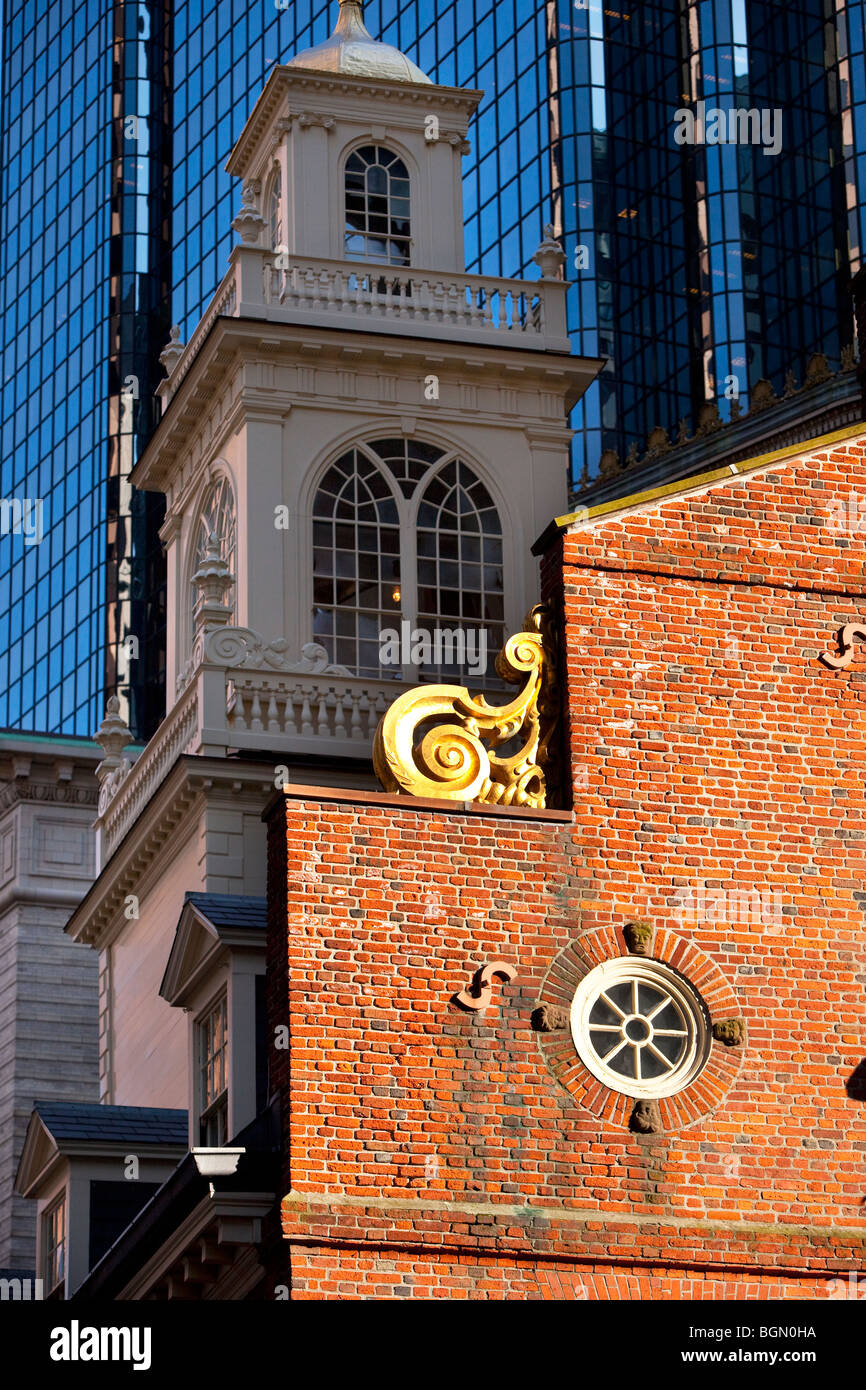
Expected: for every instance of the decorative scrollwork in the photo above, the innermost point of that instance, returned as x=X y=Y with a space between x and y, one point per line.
x=111 y=784
x=849 y=634
x=453 y=761
x=239 y=647
x=480 y=992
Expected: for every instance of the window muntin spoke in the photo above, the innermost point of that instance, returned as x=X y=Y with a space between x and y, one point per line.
x=616 y=1050
x=658 y=1008
x=666 y=1061
x=605 y=1047
x=607 y=999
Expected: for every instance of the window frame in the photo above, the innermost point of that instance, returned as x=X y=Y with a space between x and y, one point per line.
x=688 y=1003
x=407 y=240
x=408 y=508
x=49 y=1250
x=215 y=1109
x=461 y=589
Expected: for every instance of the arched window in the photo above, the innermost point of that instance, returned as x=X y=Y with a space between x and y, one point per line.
x=275 y=222
x=377 y=207
x=424 y=562
x=460 y=576
x=356 y=564
x=218 y=516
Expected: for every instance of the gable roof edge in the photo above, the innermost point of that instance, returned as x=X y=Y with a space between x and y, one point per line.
x=685 y=486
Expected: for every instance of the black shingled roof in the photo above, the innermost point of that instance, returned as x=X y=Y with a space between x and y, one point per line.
x=121 y=1124
x=224 y=910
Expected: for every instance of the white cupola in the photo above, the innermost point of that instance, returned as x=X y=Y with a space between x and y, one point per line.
x=352 y=153
x=359 y=437
x=352 y=49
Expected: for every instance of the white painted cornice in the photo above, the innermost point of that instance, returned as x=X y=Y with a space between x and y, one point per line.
x=213 y=386
x=170 y=815
x=291 y=92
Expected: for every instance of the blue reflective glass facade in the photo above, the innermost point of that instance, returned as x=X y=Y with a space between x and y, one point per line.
x=84 y=139
x=139 y=294
x=222 y=56
x=696 y=269
x=55 y=220
x=693 y=265
x=710 y=265
x=796 y=245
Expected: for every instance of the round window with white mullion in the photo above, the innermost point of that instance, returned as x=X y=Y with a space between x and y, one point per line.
x=639 y=1027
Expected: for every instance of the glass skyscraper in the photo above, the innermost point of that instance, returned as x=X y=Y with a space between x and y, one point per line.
x=694 y=265
x=85 y=143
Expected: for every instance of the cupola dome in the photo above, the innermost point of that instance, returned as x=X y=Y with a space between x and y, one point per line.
x=352 y=50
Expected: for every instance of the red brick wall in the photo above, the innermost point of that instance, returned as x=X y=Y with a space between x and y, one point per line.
x=364 y=1275
x=436 y=1152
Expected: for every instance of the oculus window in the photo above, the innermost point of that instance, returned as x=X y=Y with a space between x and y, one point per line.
x=640 y=1027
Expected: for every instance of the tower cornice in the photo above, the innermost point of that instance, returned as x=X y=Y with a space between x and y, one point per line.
x=233 y=342
x=288 y=91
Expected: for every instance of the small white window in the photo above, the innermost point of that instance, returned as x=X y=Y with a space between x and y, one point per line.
x=54 y=1244
x=213 y=1072
x=640 y=1027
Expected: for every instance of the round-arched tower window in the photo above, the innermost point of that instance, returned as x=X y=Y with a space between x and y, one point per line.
x=378 y=225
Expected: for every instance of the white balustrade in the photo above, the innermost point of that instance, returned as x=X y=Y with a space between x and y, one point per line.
x=388 y=299
x=342 y=710
x=412 y=296
x=178 y=733
x=246 y=695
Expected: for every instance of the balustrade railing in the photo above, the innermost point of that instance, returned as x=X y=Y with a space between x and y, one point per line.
x=472 y=308
x=326 y=710
x=227 y=705
x=415 y=295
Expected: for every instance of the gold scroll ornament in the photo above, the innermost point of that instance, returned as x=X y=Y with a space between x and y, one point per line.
x=453 y=760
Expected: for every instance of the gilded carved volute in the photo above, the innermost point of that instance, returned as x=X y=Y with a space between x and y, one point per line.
x=438 y=741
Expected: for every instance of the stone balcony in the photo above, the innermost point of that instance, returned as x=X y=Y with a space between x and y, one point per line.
x=411 y=301
x=240 y=695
